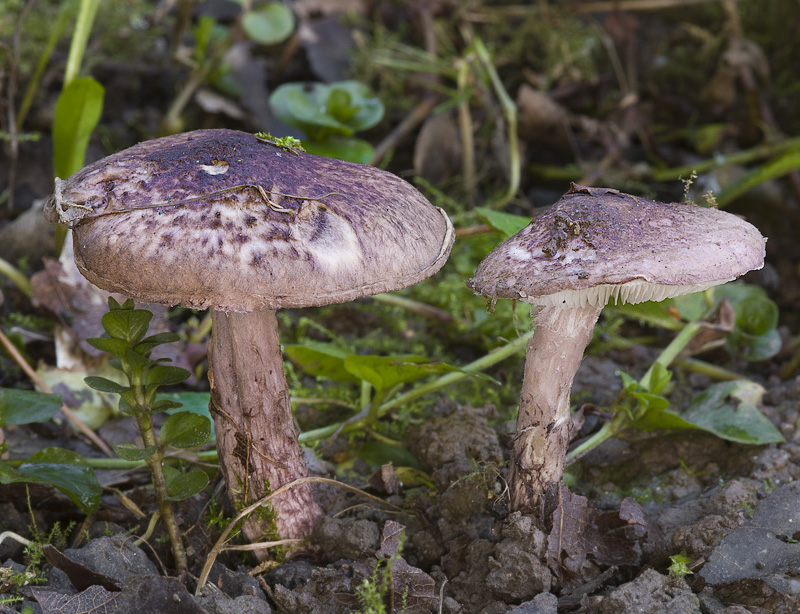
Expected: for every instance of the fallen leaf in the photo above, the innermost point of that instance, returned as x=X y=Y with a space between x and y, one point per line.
x=94 y=600
x=81 y=576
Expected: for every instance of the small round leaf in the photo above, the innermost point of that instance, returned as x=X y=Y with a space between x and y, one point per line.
x=185 y=430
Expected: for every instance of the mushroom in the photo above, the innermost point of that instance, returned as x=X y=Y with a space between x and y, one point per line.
x=244 y=225
x=593 y=245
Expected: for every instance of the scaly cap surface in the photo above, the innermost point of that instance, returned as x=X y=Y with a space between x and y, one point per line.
x=598 y=243
x=221 y=218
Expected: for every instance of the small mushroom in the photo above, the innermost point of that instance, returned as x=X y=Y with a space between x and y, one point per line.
x=226 y=220
x=593 y=245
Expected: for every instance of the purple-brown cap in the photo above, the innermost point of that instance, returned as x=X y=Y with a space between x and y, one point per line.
x=598 y=243
x=224 y=219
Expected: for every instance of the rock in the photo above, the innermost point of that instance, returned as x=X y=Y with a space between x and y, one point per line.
x=346 y=538
x=651 y=593
x=516 y=573
x=543 y=603
x=235 y=583
x=115 y=556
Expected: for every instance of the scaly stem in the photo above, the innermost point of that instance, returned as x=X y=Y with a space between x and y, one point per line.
x=256 y=437
x=543 y=423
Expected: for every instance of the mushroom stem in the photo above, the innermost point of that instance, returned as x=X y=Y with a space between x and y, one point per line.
x=256 y=437
x=543 y=424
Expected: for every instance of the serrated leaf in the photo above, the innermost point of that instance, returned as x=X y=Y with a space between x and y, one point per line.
x=383 y=372
x=63 y=469
x=182 y=486
x=103 y=384
x=27 y=406
x=321 y=360
x=185 y=430
x=132 y=452
x=268 y=24
x=163 y=375
x=127 y=324
x=506 y=223
x=78 y=110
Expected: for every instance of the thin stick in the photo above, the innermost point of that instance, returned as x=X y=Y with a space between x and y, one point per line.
x=41 y=385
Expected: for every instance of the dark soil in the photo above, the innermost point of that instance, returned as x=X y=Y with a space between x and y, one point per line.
x=447 y=543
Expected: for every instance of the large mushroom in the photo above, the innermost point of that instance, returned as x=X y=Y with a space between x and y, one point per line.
x=231 y=221
x=593 y=245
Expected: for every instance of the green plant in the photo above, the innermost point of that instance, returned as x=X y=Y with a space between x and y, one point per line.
x=329 y=115
x=680 y=565
x=126 y=340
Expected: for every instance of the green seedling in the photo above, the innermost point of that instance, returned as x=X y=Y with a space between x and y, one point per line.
x=680 y=565
x=380 y=377
x=726 y=409
x=126 y=340
x=329 y=115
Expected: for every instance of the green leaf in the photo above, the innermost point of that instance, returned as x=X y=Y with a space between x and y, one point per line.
x=146 y=345
x=342 y=148
x=756 y=315
x=27 y=406
x=128 y=325
x=185 y=430
x=756 y=347
x=103 y=384
x=115 y=347
x=77 y=112
x=132 y=452
x=506 y=223
x=166 y=405
x=321 y=360
x=164 y=375
x=181 y=486
x=268 y=24
x=383 y=372
x=63 y=469
x=728 y=410
x=195 y=402
x=378 y=453
x=307 y=106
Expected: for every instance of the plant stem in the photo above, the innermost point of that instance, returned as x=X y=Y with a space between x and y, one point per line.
x=80 y=38
x=154 y=462
x=439 y=383
x=620 y=421
x=17 y=277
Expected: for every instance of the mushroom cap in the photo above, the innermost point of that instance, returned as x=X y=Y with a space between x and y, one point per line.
x=225 y=219
x=598 y=243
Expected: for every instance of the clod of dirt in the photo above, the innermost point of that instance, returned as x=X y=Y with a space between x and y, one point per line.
x=450 y=444
x=516 y=573
x=698 y=524
x=244 y=604
x=234 y=583
x=761 y=558
x=651 y=593
x=543 y=603
x=346 y=538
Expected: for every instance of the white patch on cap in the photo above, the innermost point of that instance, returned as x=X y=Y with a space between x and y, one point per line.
x=217 y=167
